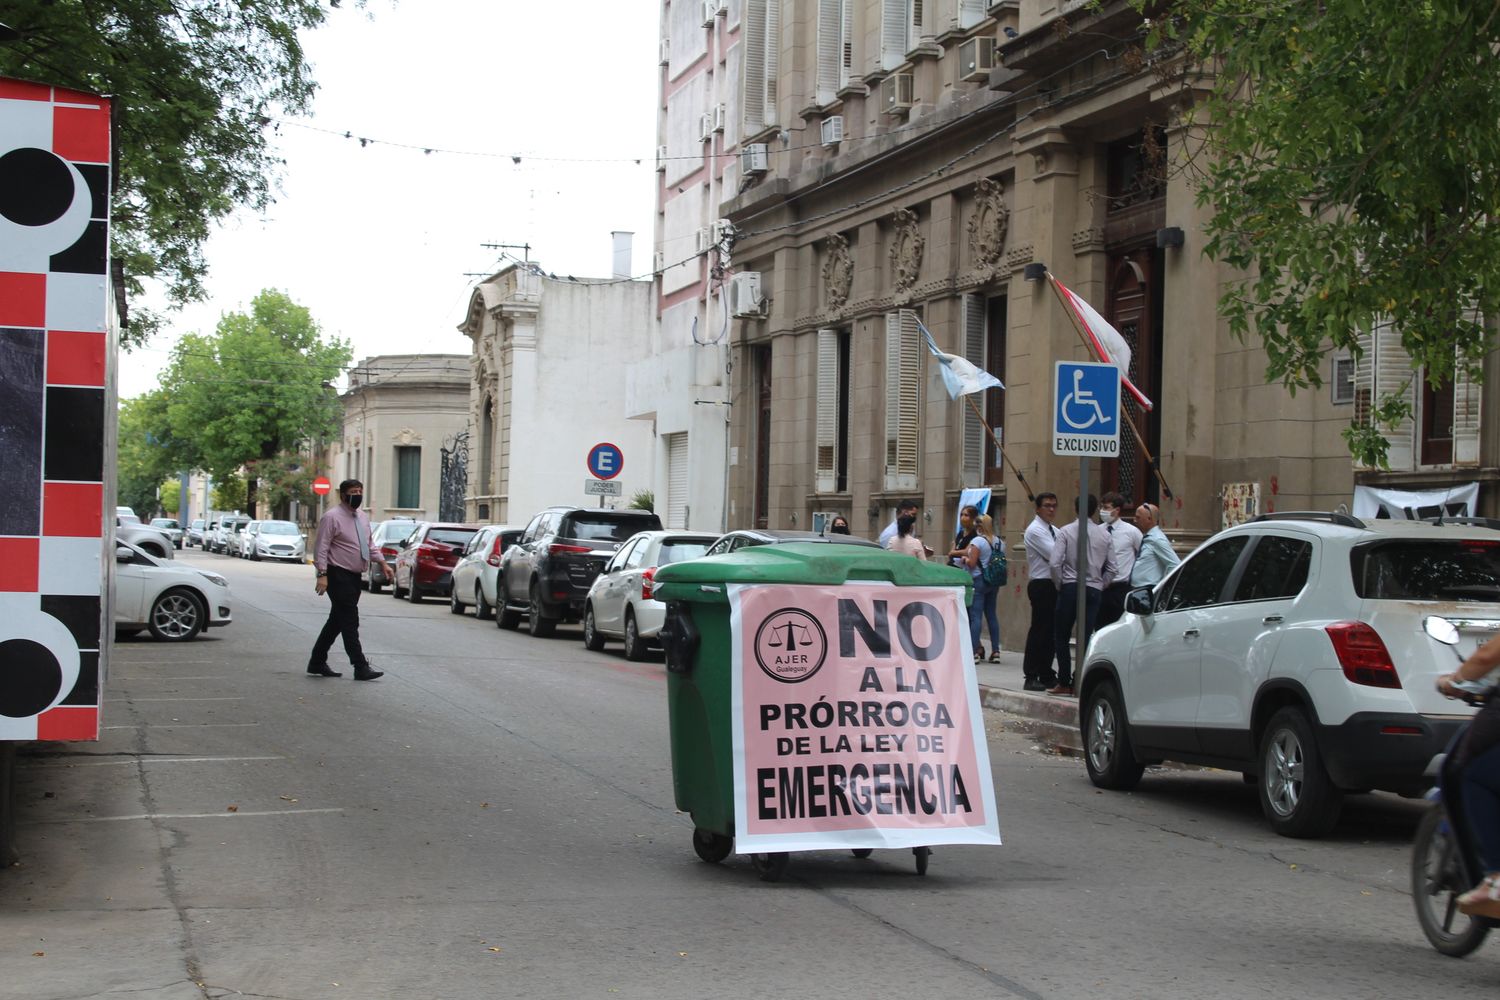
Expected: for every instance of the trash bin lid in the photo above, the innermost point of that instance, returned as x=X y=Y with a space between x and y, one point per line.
x=703 y=579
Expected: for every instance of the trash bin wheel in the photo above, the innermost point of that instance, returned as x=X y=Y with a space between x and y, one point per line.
x=863 y=852
x=921 y=854
x=771 y=866
x=712 y=847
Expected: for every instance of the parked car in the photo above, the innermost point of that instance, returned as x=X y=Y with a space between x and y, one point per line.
x=169 y=527
x=174 y=602
x=194 y=534
x=747 y=537
x=620 y=604
x=126 y=515
x=152 y=540
x=476 y=577
x=1292 y=649
x=224 y=528
x=546 y=575
x=235 y=543
x=385 y=544
x=274 y=540
x=426 y=559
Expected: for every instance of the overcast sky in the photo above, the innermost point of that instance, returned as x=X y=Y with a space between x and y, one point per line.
x=376 y=240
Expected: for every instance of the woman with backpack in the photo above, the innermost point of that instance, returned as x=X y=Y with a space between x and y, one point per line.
x=992 y=575
x=970 y=553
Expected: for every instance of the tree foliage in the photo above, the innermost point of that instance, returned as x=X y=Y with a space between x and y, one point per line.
x=1351 y=161
x=195 y=84
x=229 y=493
x=148 y=452
x=254 y=390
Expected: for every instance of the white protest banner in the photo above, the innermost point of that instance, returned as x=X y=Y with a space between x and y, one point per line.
x=1415 y=505
x=856 y=719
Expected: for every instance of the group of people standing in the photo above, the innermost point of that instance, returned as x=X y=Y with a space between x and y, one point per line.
x=1121 y=556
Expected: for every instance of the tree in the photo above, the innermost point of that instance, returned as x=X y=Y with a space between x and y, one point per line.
x=195 y=84
x=148 y=452
x=229 y=493
x=169 y=494
x=1350 y=158
x=259 y=387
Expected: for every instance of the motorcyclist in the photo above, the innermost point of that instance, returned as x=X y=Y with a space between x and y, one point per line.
x=1479 y=763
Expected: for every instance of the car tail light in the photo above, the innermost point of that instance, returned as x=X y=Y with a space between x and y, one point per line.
x=646 y=582
x=1363 y=655
x=558 y=549
x=494 y=556
x=389 y=551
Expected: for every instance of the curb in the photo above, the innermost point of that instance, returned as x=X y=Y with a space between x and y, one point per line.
x=1052 y=720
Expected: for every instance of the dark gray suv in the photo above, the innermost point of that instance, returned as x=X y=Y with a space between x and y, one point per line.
x=547 y=574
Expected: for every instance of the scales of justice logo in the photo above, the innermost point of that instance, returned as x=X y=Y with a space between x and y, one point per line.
x=790 y=645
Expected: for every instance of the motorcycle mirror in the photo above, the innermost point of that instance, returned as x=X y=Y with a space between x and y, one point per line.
x=1441 y=629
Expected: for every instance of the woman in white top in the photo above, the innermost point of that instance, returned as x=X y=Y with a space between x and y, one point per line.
x=985 y=601
x=906 y=540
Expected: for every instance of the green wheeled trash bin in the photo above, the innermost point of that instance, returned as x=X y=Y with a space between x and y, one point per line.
x=697 y=639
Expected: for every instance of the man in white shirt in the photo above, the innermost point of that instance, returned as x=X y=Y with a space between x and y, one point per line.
x=1042 y=593
x=903 y=508
x=1124 y=543
x=1065 y=574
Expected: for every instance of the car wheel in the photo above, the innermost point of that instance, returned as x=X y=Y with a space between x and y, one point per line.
x=414 y=592
x=255 y=557
x=455 y=606
x=1296 y=794
x=635 y=646
x=1106 y=741
x=396 y=590
x=176 y=616
x=1437 y=880
x=592 y=638
x=538 y=624
x=505 y=616
x=482 y=609
x=375 y=585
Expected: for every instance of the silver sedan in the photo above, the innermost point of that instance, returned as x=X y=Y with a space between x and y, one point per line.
x=620 y=603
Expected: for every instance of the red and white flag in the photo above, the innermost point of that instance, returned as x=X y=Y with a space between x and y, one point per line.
x=1105 y=340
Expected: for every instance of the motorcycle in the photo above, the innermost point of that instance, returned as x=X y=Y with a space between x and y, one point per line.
x=1445 y=860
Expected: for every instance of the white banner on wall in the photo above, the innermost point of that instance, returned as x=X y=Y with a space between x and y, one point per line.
x=1415 y=505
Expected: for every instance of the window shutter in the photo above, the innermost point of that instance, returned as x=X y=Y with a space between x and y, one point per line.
x=903 y=399
x=972 y=320
x=916 y=24
x=677 y=480
x=893 y=21
x=846 y=43
x=970 y=12
x=1466 y=395
x=1394 y=375
x=753 y=68
x=773 y=59
x=827 y=409
x=830 y=48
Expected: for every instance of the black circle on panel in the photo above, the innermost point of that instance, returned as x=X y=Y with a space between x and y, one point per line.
x=30 y=678
x=36 y=186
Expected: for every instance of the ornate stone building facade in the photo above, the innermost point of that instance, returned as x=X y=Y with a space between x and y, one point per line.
x=972 y=140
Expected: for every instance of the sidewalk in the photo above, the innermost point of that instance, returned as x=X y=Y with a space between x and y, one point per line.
x=1053 y=720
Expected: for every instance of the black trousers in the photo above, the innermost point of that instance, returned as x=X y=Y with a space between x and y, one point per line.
x=1037 y=664
x=343 y=619
x=1112 y=604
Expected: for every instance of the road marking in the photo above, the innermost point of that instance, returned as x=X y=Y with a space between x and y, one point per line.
x=154 y=663
x=136 y=701
x=189 y=725
x=199 y=677
x=212 y=815
x=152 y=760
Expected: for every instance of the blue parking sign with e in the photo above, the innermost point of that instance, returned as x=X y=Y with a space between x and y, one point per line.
x=1086 y=411
x=605 y=461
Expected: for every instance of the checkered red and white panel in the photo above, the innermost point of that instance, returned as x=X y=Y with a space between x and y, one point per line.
x=54 y=251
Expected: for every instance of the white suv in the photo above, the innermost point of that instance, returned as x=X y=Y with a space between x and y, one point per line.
x=1293 y=649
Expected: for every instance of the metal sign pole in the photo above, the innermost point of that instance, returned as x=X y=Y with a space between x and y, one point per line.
x=1081 y=626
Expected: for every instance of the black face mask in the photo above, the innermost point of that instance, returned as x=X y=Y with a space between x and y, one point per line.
x=353 y=499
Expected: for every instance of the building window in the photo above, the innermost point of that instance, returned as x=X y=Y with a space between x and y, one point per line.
x=762 y=370
x=903 y=399
x=487 y=448
x=408 y=477
x=761 y=43
x=1343 y=380
x=835 y=47
x=832 y=403
x=1437 y=422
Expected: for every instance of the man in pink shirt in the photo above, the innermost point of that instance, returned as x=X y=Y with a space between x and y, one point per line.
x=343 y=552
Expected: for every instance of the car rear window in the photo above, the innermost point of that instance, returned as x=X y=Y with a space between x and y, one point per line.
x=1428 y=570
x=608 y=529
x=680 y=550
x=451 y=536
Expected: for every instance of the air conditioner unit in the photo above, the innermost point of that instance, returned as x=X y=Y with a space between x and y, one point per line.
x=706 y=126
x=666 y=51
x=703 y=240
x=710 y=11
x=833 y=130
x=896 y=94
x=658 y=260
x=661 y=157
x=744 y=294
x=976 y=58
x=721 y=116
x=754 y=160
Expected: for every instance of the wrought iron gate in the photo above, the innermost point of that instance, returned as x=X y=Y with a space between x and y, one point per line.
x=454 y=481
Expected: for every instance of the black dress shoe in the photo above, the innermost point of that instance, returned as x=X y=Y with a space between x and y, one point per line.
x=367 y=673
x=1033 y=686
x=323 y=671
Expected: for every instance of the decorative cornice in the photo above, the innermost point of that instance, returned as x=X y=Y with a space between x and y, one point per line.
x=406 y=436
x=1087 y=240
x=1020 y=257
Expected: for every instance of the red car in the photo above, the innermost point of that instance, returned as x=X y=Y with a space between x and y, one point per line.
x=426 y=559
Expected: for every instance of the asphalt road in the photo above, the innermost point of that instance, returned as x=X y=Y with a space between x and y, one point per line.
x=494 y=818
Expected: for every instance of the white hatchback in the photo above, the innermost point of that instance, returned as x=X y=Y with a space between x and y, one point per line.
x=476 y=575
x=620 y=602
x=1293 y=649
x=173 y=600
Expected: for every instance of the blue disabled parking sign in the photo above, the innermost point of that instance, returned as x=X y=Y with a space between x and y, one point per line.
x=1086 y=411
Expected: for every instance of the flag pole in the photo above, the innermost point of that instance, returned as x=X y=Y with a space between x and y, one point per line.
x=1140 y=439
x=1000 y=448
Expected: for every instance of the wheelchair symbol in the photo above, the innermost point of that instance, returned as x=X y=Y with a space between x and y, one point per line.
x=1081 y=397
